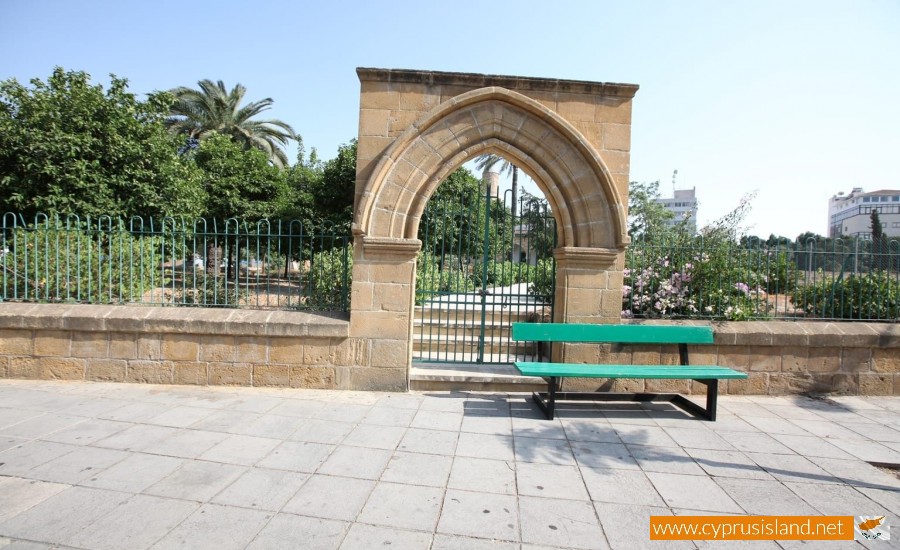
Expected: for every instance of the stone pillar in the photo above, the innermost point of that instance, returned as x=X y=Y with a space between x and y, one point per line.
x=381 y=310
x=588 y=290
x=491 y=180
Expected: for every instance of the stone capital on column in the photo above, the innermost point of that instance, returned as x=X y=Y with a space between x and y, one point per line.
x=586 y=258
x=386 y=248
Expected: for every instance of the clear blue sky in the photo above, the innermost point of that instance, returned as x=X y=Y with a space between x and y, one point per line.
x=795 y=100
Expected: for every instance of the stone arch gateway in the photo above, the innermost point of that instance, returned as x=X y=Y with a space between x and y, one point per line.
x=572 y=138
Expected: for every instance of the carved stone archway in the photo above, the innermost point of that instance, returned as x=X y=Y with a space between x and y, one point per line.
x=572 y=138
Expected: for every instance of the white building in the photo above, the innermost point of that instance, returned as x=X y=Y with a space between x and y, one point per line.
x=684 y=205
x=851 y=215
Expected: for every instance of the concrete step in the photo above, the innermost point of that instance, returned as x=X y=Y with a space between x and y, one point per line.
x=495 y=345
x=461 y=377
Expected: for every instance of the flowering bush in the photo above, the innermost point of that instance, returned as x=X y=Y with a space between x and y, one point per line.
x=688 y=285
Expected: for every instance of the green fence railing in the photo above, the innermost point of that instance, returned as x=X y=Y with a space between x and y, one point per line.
x=267 y=264
x=824 y=279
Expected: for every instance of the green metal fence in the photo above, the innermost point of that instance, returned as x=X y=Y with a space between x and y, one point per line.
x=824 y=279
x=268 y=264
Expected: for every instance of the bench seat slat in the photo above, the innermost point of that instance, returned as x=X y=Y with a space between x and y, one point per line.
x=691 y=372
x=625 y=334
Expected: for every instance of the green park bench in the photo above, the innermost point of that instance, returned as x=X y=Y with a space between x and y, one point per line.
x=622 y=334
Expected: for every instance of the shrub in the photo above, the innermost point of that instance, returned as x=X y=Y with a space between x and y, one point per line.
x=328 y=281
x=873 y=296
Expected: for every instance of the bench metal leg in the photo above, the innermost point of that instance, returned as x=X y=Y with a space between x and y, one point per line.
x=547 y=401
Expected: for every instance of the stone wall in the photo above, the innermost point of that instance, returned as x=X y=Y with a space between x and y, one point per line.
x=306 y=350
x=781 y=358
x=183 y=346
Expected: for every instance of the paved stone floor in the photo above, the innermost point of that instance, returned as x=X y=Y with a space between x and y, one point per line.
x=118 y=466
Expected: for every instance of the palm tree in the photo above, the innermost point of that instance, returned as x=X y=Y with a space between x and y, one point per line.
x=486 y=162
x=213 y=109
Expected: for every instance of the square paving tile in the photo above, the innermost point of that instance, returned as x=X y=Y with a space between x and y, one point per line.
x=418 y=469
x=482 y=515
x=87 y=432
x=196 y=480
x=180 y=417
x=599 y=431
x=389 y=416
x=262 y=489
x=376 y=437
x=538 y=427
x=321 y=431
x=834 y=500
x=216 y=527
x=564 y=523
x=245 y=450
x=297 y=456
x=765 y=497
x=476 y=445
x=480 y=474
x=698 y=438
x=367 y=537
x=74 y=467
x=186 y=443
x=458 y=542
x=695 y=492
x=356 y=462
x=494 y=425
x=137 y=437
x=603 y=455
x=272 y=426
x=620 y=486
x=19 y=460
x=545 y=451
x=436 y=442
x=673 y=460
x=403 y=506
x=792 y=468
x=62 y=515
x=135 y=473
x=289 y=531
x=645 y=435
x=550 y=480
x=18 y=495
x=136 y=524
x=627 y=526
x=728 y=464
x=346 y=497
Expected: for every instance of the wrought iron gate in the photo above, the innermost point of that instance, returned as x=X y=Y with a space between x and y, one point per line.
x=483 y=266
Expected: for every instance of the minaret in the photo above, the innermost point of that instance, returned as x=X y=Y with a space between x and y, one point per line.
x=492 y=181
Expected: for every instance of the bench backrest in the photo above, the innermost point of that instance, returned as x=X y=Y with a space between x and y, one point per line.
x=626 y=334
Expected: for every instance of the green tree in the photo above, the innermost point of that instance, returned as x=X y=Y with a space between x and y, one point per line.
x=647 y=218
x=239 y=183
x=879 y=242
x=334 y=190
x=198 y=114
x=67 y=146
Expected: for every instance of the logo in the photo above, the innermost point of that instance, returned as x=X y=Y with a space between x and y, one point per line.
x=872 y=528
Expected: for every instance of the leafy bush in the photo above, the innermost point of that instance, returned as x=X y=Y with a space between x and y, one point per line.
x=56 y=264
x=328 y=281
x=873 y=295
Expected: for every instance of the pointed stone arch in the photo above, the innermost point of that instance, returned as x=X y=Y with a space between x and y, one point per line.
x=572 y=138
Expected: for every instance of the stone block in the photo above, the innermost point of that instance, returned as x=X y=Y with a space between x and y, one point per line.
x=613 y=109
x=392 y=297
x=90 y=345
x=789 y=335
x=369 y=379
x=751 y=333
x=823 y=359
x=699 y=388
x=794 y=358
x=399 y=121
x=351 y=352
x=659 y=385
x=390 y=353
x=645 y=355
x=703 y=355
x=416 y=100
x=581 y=353
x=669 y=355
x=617 y=137
x=379 y=95
x=618 y=162
x=897 y=384
x=251 y=350
x=614 y=354
x=55 y=343
x=230 y=374
x=379 y=324
x=271 y=375
x=217 y=348
x=122 y=345
x=857 y=359
x=150 y=372
x=373 y=122
x=628 y=385
x=192 y=373
x=4 y=367
x=765 y=359
x=180 y=347
x=149 y=347
x=46 y=368
x=876 y=384
x=316 y=351
x=736 y=357
x=886 y=360
x=322 y=378
x=286 y=351
x=757 y=383
x=362 y=296
x=106 y=370
x=396 y=273
x=16 y=342
x=845 y=384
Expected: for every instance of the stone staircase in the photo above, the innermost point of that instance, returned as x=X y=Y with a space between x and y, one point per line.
x=446 y=346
